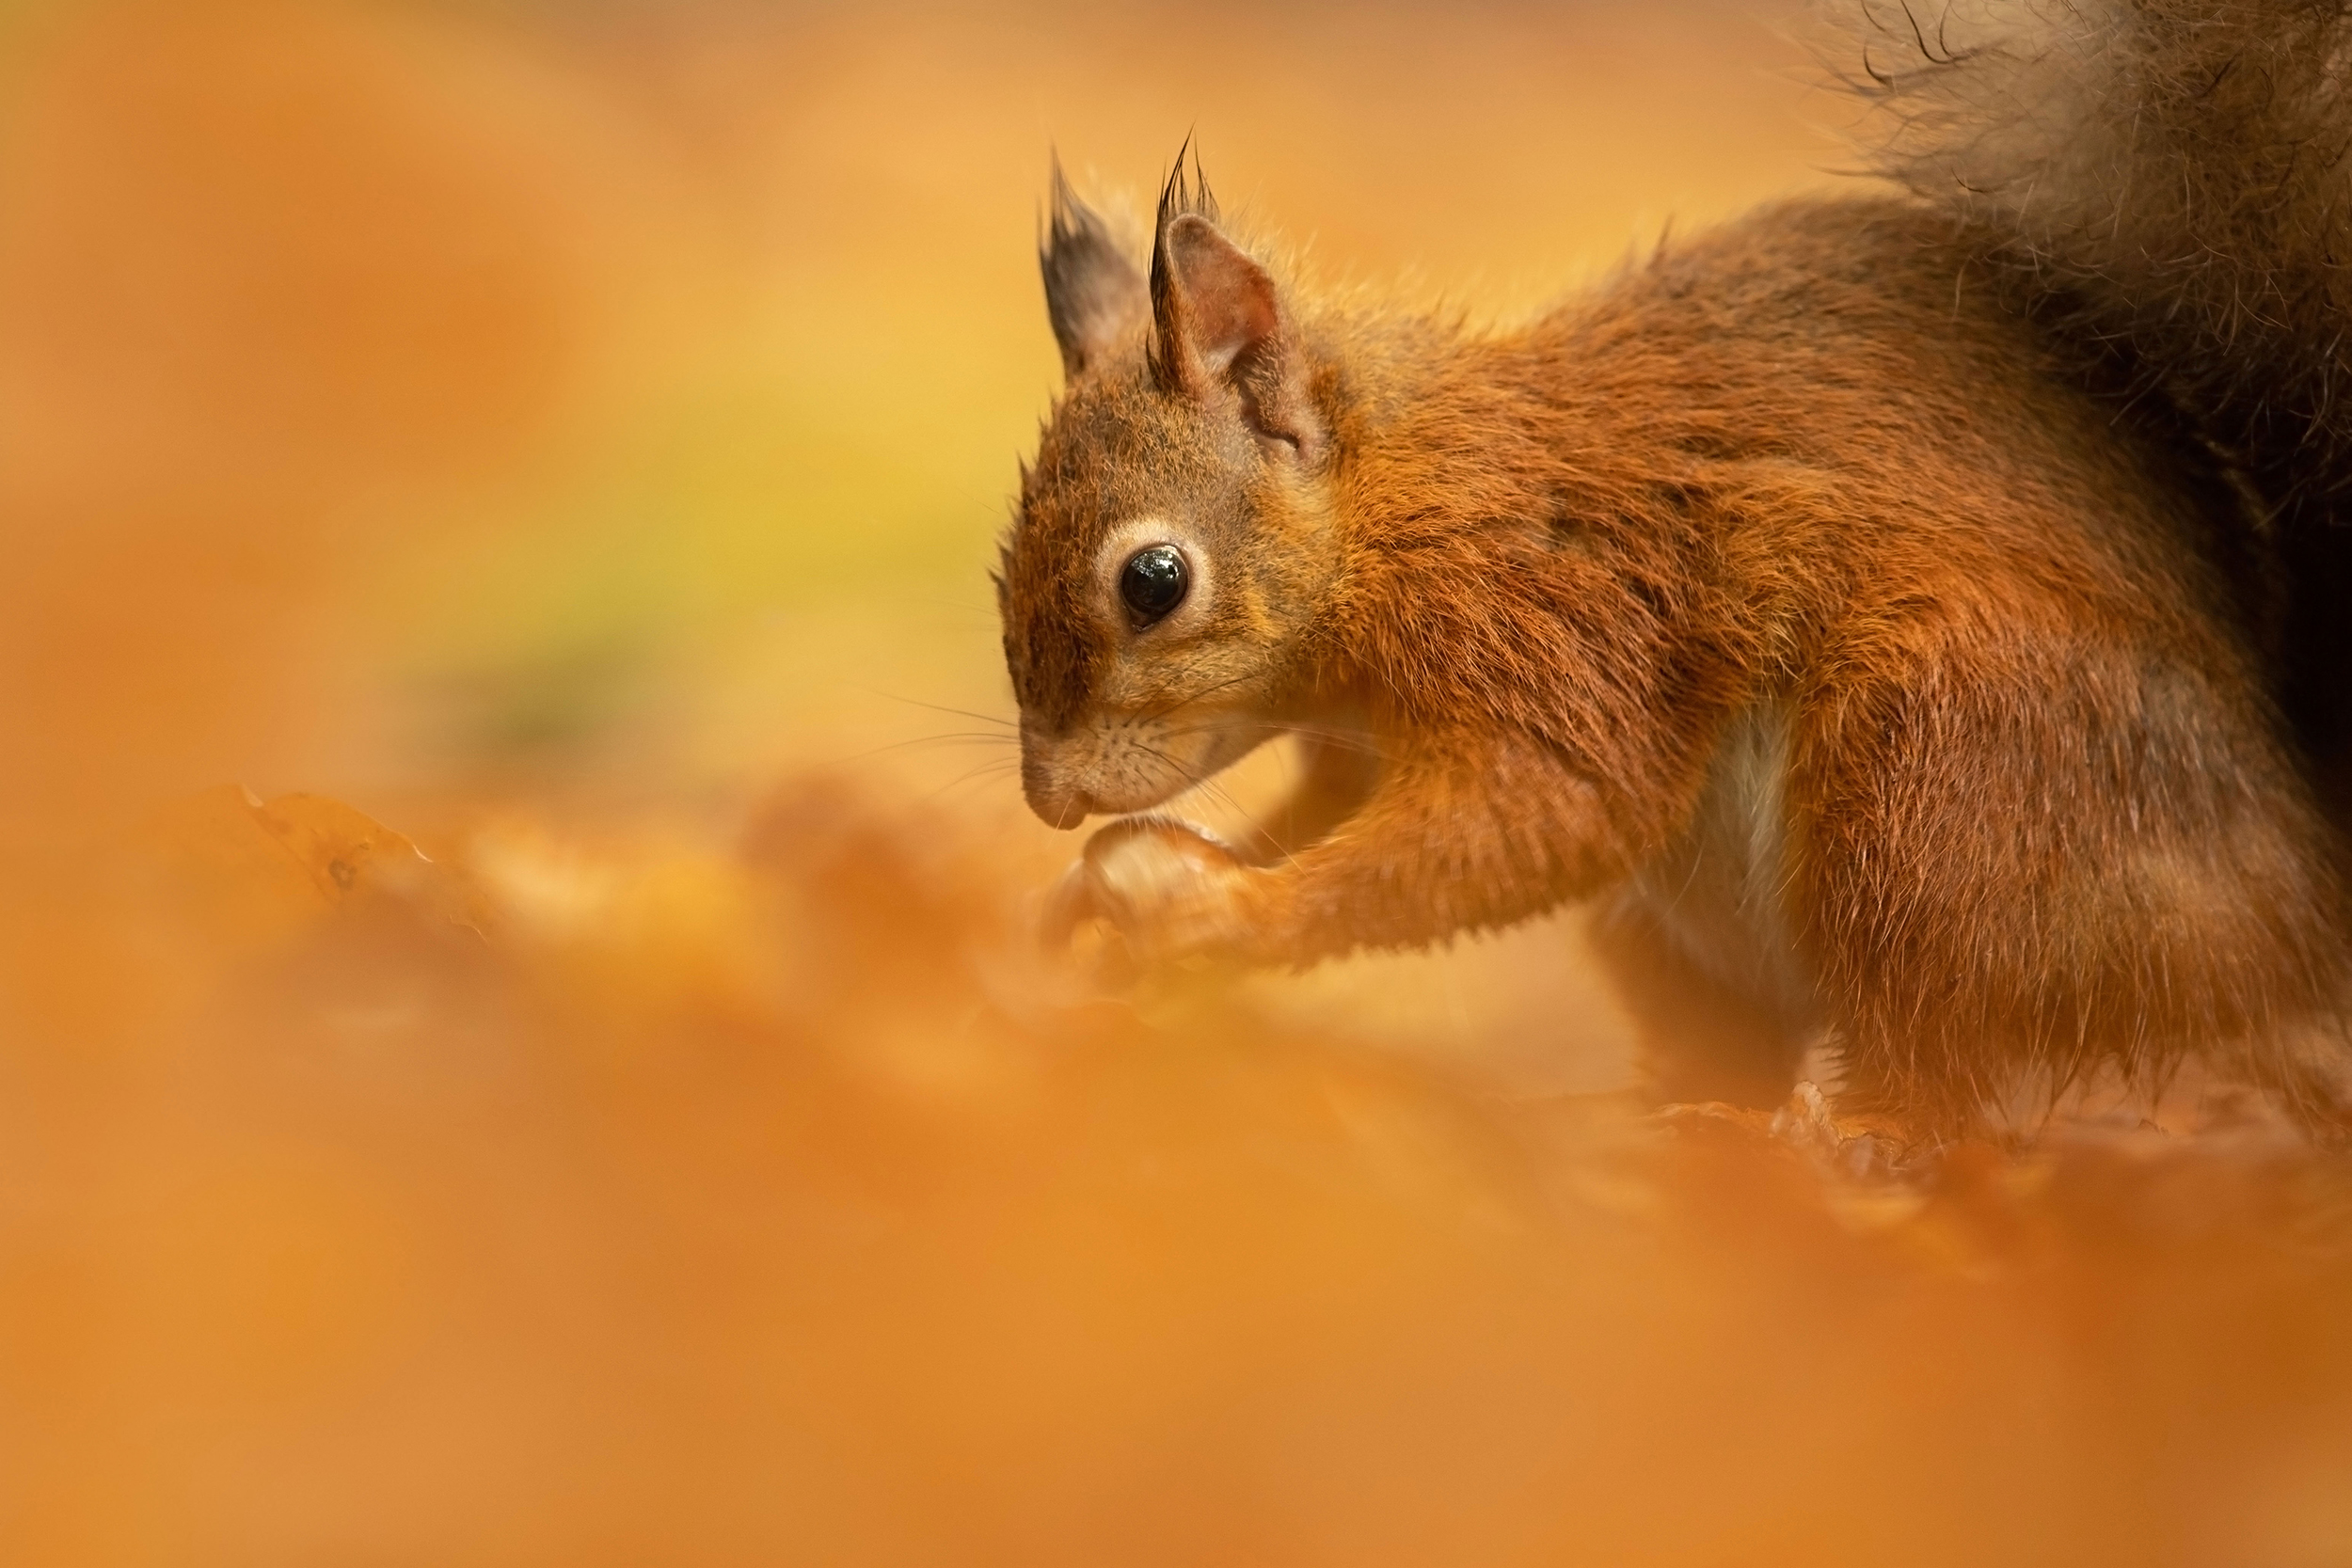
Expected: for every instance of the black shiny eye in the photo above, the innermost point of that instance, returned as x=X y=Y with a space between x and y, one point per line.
x=1154 y=582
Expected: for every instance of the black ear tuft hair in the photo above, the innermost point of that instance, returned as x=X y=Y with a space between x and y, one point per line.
x=1093 y=294
x=1181 y=195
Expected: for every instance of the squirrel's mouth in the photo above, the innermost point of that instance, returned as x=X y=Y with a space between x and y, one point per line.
x=1062 y=804
x=1116 y=762
x=1069 y=780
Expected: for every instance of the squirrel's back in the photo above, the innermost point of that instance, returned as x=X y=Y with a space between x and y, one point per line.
x=2165 y=186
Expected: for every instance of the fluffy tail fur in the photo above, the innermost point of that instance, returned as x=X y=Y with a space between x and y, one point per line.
x=2166 y=186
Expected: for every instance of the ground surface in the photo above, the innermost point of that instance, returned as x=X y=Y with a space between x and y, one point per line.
x=602 y=1197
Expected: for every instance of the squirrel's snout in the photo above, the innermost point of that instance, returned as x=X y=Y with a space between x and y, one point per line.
x=1059 y=808
x=1057 y=804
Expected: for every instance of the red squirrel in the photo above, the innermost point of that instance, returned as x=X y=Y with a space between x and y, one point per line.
x=1919 y=618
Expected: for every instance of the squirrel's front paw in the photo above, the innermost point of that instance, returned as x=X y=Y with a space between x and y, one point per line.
x=1166 y=890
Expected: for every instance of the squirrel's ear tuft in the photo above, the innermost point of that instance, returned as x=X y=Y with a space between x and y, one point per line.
x=1093 y=294
x=1219 y=328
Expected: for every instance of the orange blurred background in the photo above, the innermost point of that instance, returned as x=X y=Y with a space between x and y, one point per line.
x=568 y=439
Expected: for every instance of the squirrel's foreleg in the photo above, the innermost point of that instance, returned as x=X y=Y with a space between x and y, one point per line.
x=1463 y=831
x=1457 y=830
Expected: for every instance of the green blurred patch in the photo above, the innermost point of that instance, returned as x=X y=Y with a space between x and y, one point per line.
x=806 y=471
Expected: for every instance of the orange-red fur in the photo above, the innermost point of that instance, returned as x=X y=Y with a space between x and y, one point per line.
x=1903 y=684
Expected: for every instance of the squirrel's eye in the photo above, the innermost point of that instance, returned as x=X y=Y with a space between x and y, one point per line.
x=1154 y=582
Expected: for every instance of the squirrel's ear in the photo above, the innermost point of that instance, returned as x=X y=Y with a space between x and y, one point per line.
x=1093 y=294
x=1221 y=329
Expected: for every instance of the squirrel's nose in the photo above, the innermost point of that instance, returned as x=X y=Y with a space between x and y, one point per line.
x=1059 y=808
x=1056 y=805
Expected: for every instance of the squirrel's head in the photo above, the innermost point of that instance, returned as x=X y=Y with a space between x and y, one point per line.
x=1173 y=553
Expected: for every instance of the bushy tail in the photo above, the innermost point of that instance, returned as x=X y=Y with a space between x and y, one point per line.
x=2167 y=185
